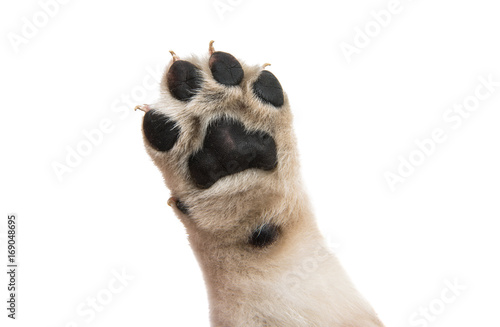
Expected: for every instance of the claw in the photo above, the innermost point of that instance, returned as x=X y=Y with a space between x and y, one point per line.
x=172 y=202
x=265 y=65
x=142 y=107
x=174 y=56
x=211 y=49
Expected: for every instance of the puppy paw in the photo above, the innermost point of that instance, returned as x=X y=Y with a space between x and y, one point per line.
x=221 y=135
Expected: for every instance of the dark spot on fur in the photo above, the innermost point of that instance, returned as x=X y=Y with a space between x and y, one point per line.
x=183 y=80
x=264 y=235
x=228 y=149
x=160 y=131
x=225 y=68
x=182 y=207
x=268 y=89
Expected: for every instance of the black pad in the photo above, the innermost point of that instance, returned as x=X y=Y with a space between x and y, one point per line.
x=225 y=68
x=264 y=235
x=160 y=130
x=229 y=149
x=183 y=79
x=268 y=89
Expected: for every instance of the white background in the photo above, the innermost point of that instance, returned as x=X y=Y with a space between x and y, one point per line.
x=353 y=121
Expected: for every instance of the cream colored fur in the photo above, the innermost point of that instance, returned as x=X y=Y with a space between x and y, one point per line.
x=251 y=286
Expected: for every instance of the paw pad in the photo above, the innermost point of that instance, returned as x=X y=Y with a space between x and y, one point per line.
x=225 y=68
x=264 y=236
x=229 y=149
x=268 y=89
x=160 y=131
x=183 y=79
x=228 y=146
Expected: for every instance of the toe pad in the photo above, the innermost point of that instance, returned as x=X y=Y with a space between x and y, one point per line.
x=160 y=131
x=225 y=68
x=268 y=89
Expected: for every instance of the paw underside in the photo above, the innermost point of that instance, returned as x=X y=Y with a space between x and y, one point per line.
x=228 y=147
x=218 y=118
